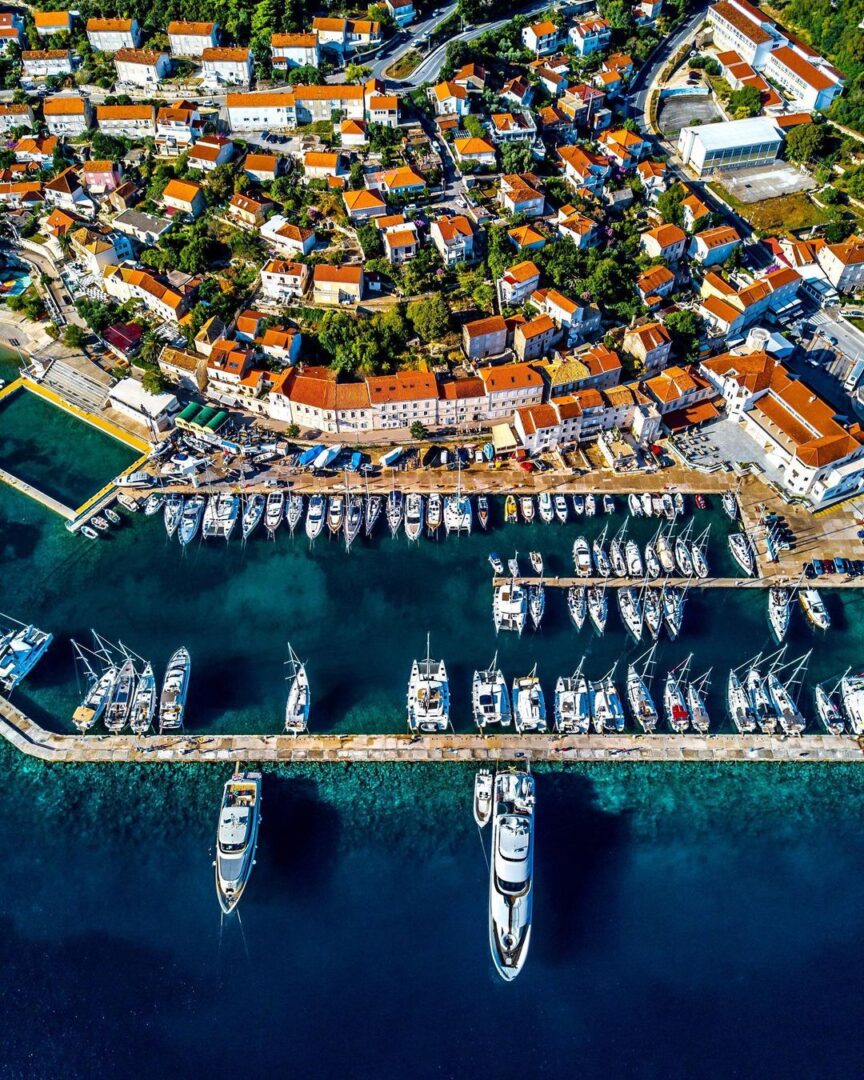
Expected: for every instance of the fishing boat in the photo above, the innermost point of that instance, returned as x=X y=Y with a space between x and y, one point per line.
x=579 y=505
x=91 y=534
x=511 y=510
x=789 y=716
x=573 y=704
x=739 y=706
x=434 y=512
x=582 y=557
x=175 y=689
x=760 y=700
x=458 y=514
x=510 y=607
x=647 y=504
x=372 y=511
x=730 y=505
x=577 y=605
x=143 y=702
x=652 y=562
x=696 y=691
x=852 y=698
x=172 y=512
x=642 y=707
x=353 y=518
x=428 y=695
x=814 y=608
x=395 y=510
x=316 y=515
x=779 y=610
x=298 y=702
x=526 y=508
x=490 y=698
x=601 y=559
x=237 y=837
x=253 y=511
x=545 y=508
x=496 y=563
x=483 y=512
x=511 y=872
x=294 y=507
x=607 y=711
x=617 y=559
x=673 y=599
x=335 y=513
x=414 y=515
x=100 y=688
x=153 y=504
x=652 y=610
x=117 y=714
x=631 y=610
x=742 y=552
x=683 y=558
x=536 y=603
x=529 y=705
x=190 y=519
x=633 y=559
x=513 y=566
x=273 y=512
x=560 y=502
x=665 y=553
x=483 y=786
x=598 y=608
x=590 y=506
x=221 y=516
x=112 y=516
x=127 y=502
x=828 y=711
x=536 y=562
x=634 y=505
x=675 y=700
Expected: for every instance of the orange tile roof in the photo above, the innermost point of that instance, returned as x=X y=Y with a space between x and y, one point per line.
x=403 y=386
x=445 y=90
x=364 y=199
x=328 y=93
x=402 y=178
x=736 y=18
x=46 y=20
x=667 y=235
x=510 y=377
x=178 y=28
x=258 y=100
x=124 y=112
x=713 y=238
x=525 y=235
x=226 y=54
x=753 y=371
x=65 y=105
x=494 y=324
x=148 y=57
x=261 y=163
x=654 y=278
x=460 y=389
x=285 y=266
x=318 y=159
x=802 y=68
x=543 y=324
x=451 y=227
x=182 y=190
x=522 y=272
x=473 y=146
x=347 y=275
x=721 y=309
x=293 y=41
x=544 y=28
x=108 y=25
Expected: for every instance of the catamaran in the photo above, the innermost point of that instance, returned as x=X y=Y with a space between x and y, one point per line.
x=606 y=708
x=253 y=511
x=675 y=699
x=511 y=872
x=316 y=515
x=294 y=506
x=483 y=512
x=631 y=610
x=510 y=607
x=490 y=698
x=814 y=608
x=642 y=707
x=374 y=506
x=852 y=698
x=742 y=552
x=536 y=603
x=237 y=837
x=582 y=557
x=221 y=515
x=577 y=605
x=828 y=711
x=560 y=503
x=573 y=704
x=414 y=516
x=529 y=705
x=172 y=512
x=395 y=510
x=143 y=702
x=298 y=702
x=175 y=689
x=779 y=611
x=190 y=519
x=457 y=513
x=483 y=787
x=428 y=695
x=121 y=701
x=545 y=508
x=335 y=513
x=20 y=650
x=633 y=558
x=598 y=607
x=739 y=705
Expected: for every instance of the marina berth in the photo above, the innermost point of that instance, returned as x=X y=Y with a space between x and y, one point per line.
x=274 y=511
x=598 y=607
x=172 y=511
x=779 y=611
x=143 y=703
x=294 y=507
x=414 y=516
x=190 y=519
x=642 y=707
x=335 y=513
x=828 y=711
x=511 y=512
x=852 y=699
x=353 y=519
x=675 y=699
x=511 y=872
x=316 y=516
x=814 y=608
x=536 y=604
x=374 y=506
x=561 y=512
x=696 y=696
x=253 y=511
x=121 y=701
x=545 y=508
x=740 y=706
x=607 y=712
x=298 y=702
x=652 y=610
x=577 y=605
x=742 y=552
x=395 y=510
x=582 y=557
x=237 y=837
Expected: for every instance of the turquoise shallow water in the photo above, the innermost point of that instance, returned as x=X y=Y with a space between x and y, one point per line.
x=690 y=920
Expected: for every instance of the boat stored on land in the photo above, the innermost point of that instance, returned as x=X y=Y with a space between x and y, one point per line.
x=237 y=837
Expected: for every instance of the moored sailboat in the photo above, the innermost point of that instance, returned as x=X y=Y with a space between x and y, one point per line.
x=607 y=712
x=529 y=705
x=428 y=695
x=642 y=707
x=298 y=701
x=577 y=605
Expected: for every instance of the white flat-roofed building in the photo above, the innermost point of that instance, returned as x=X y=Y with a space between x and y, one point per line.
x=152 y=410
x=735 y=144
x=191 y=38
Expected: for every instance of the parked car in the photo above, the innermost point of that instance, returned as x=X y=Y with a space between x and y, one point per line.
x=818 y=568
x=840 y=566
x=828 y=566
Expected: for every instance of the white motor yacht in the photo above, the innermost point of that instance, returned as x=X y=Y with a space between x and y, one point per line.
x=414 y=516
x=274 y=511
x=814 y=608
x=633 y=558
x=143 y=703
x=316 y=516
x=511 y=872
x=779 y=610
x=483 y=789
x=582 y=557
x=852 y=698
x=560 y=502
x=175 y=688
x=237 y=837
x=294 y=507
x=545 y=508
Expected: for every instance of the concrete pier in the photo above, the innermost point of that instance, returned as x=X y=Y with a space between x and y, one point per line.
x=35 y=493
x=833 y=582
x=31 y=739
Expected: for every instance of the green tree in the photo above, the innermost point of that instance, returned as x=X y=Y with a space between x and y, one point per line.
x=194 y=256
x=685 y=329
x=153 y=381
x=516 y=157
x=292 y=431
x=805 y=143
x=474 y=126
x=220 y=185
x=430 y=318
x=357 y=73
x=669 y=205
x=745 y=102
x=74 y=336
x=369 y=238
x=419 y=431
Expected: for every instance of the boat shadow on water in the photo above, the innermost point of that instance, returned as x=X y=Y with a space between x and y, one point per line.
x=579 y=850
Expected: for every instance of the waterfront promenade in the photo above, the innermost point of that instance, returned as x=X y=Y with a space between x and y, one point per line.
x=31 y=739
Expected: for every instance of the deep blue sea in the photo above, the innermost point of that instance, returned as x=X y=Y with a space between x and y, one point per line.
x=690 y=921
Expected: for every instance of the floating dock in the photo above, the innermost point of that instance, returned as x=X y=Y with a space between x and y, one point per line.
x=31 y=739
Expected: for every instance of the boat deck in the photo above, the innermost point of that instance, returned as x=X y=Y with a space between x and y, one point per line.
x=31 y=739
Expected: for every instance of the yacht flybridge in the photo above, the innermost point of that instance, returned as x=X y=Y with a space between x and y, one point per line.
x=237 y=837
x=511 y=872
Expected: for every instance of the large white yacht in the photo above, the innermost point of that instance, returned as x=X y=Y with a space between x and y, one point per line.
x=428 y=695
x=511 y=872
x=237 y=837
x=20 y=651
x=175 y=687
x=852 y=697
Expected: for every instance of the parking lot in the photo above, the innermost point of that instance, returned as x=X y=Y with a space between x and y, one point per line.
x=765 y=182
x=678 y=112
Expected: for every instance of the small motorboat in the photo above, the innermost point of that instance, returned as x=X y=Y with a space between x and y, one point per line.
x=545 y=508
x=91 y=534
x=100 y=523
x=730 y=505
x=482 y=511
x=483 y=784
x=590 y=506
x=153 y=503
x=560 y=502
x=511 y=511
x=496 y=563
x=701 y=502
x=536 y=562
x=608 y=504
x=112 y=516
x=526 y=508
x=634 y=505
x=513 y=566
x=127 y=502
x=579 y=504
x=647 y=504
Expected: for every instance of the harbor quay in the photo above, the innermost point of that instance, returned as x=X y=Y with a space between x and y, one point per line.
x=31 y=739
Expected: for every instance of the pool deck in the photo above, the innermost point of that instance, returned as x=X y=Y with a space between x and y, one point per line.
x=35 y=741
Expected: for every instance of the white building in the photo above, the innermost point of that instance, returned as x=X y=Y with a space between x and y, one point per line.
x=130 y=121
x=153 y=411
x=141 y=67
x=733 y=144
x=844 y=264
x=191 y=38
x=227 y=66
x=283 y=281
x=109 y=35
x=294 y=50
x=42 y=63
x=67 y=114
x=402 y=11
